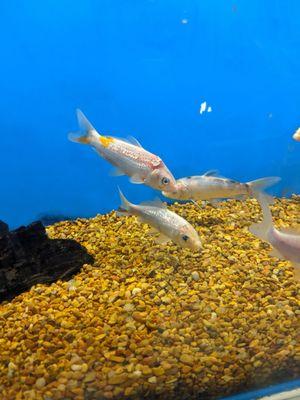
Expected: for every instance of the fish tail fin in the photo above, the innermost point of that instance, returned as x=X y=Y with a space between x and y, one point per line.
x=261 y=229
x=259 y=185
x=86 y=130
x=125 y=206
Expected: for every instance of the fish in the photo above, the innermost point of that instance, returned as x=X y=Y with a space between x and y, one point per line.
x=129 y=157
x=211 y=187
x=171 y=226
x=285 y=242
x=296 y=135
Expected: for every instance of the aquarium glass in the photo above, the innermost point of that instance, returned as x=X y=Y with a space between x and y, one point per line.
x=194 y=295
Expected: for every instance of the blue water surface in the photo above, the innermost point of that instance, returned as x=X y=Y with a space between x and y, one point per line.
x=143 y=68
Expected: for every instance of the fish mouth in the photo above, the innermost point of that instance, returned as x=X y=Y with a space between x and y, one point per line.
x=171 y=188
x=174 y=190
x=197 y=247
x=170 y=195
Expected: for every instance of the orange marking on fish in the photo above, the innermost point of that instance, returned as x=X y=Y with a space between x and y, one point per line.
x=105 y=140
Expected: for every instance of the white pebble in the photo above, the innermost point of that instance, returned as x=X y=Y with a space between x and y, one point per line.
x=195 y=276
x=40 y=382
x=76 y=367
x=152 y=379
x=136 y=290
x=202 y=107
x=137 y=374
x=128 y=307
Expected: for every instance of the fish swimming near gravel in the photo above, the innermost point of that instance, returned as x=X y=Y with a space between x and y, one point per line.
x=129 y=157
x=285 y=242
x=170 y=225
x=211 y=187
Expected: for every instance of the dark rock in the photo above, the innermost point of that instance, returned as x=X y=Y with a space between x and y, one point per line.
x=3 y=228
x=50 y=219
x=28 y=257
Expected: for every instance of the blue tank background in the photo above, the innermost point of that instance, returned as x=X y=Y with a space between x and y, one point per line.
x=143 y=68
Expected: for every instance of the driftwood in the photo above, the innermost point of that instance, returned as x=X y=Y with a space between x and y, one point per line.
x=28 y=257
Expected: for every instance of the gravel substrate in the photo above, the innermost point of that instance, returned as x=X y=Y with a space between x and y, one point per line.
x=157 y=321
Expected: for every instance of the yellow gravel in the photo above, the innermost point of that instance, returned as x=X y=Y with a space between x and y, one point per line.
x=153 y=321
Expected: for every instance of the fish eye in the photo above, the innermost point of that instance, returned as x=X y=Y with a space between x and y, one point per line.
x=165 y=181
x=185 y=237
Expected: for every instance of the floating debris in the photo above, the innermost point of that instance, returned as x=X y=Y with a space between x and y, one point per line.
x=296 y=135
x=204 y=108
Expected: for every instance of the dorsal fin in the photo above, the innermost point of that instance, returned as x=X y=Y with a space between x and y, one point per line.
x=229 y=180
x=162 y=239
x=130 y=140
x=154 y=203
x=134 y=141
x=211 y=172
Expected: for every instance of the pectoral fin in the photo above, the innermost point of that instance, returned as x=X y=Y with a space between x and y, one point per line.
x=275 y=253
x=162 y=239
x=136 y=179
x=211 y=172
x=134 y=141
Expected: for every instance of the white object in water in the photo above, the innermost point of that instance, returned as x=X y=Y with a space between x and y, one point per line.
x=296 y=135
x=205 y=107
x=202 y=107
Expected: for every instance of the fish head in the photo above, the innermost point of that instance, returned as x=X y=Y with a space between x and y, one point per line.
x=189 y=238
x=180 y=192
x=161 y=179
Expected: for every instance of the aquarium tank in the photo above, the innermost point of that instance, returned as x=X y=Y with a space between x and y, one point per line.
x=150 y=200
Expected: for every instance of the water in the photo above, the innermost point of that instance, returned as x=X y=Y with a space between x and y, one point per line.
x=205 y=85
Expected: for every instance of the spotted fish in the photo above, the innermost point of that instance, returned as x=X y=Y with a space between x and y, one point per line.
x=129 y=157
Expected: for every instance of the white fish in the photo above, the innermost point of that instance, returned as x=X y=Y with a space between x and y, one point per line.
x=210 y=187
x=170 y=225
x=129 y=158
x=296 y=135
x=285 y=242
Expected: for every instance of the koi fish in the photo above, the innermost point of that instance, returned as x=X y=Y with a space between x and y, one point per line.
x=210 y=187
x=170 y=225
x=129 y=158
x=285 y=242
